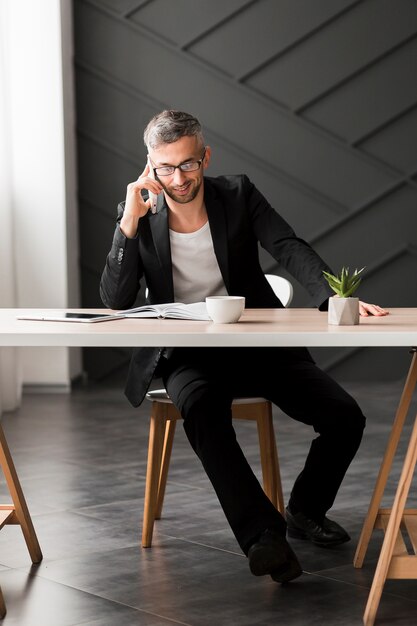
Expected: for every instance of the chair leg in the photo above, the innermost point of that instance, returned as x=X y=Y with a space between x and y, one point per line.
x=153 y=472
x=166 y=458
x=269 y=459
x=277 y=472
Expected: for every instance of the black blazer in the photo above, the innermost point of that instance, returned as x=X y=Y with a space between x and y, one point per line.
x=240 y=218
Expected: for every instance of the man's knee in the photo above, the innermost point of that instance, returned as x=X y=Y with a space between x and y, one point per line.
x=207 y=418
x=354 y=426
x=343 y=416
x=354 y=419
x=199 y=400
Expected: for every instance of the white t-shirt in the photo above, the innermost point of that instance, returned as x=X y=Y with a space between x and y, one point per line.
x=195 y=270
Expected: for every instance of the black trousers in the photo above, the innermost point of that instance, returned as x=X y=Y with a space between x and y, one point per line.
x=202 y=383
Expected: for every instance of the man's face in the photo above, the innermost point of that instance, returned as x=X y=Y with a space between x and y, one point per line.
x=182 y=187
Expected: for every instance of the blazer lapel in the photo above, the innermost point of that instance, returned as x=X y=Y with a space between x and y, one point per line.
x=218 y=227
x=160 y=234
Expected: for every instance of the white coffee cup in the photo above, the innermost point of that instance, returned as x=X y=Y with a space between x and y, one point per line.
x=225 y=309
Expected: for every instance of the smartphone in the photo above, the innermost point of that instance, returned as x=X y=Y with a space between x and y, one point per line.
x=152 y=197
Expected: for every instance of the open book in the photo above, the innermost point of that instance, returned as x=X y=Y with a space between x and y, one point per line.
x=175 y=310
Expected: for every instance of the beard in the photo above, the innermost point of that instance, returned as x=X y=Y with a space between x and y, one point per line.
x=191 y=191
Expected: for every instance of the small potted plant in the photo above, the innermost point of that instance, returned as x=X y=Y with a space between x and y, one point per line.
x=343 y=308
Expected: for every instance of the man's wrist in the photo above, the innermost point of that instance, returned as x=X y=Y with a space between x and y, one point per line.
x=129 y=226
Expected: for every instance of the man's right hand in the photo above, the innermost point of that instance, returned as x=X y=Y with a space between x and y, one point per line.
x=135 y=206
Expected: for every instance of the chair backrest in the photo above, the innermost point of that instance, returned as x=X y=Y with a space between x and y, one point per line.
x=282 y=288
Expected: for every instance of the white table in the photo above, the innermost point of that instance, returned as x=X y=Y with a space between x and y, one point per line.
x=257 y=327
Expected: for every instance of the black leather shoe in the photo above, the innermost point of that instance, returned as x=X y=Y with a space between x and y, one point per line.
x=326 y=533
x=272 y=554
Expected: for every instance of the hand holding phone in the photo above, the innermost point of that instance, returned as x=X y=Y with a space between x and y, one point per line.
x=153 y=198
x=136 y=206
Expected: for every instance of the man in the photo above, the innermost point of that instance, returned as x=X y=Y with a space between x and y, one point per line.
x=204 y=241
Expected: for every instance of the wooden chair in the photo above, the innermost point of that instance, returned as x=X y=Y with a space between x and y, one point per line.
x=18 y=512
x=163 y=420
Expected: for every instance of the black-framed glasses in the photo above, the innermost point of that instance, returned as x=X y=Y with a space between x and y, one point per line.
x=188 y=166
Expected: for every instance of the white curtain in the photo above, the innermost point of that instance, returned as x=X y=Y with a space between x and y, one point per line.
x=10 y=377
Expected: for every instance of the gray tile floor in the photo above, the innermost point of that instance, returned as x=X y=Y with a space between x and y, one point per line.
x=81 y=459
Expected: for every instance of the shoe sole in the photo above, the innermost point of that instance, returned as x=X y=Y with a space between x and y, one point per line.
x=296 y=533
x=285 y=576
x=262 y=562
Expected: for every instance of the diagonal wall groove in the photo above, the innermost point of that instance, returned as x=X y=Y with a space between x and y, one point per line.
x=186 y=44
x=346 y=79
x=329 y=230
x=241 y=78
x=232 y=147
x=138 y=5
x=248 y=92
x=374 y=131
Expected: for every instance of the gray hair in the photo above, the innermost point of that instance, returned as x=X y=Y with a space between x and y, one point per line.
x=169 y=126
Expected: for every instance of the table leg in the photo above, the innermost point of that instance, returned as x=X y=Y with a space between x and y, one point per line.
x=386 y=464
x=19 y=513
x=395 y=518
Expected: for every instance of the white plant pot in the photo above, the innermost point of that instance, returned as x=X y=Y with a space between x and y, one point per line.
x=343 y=311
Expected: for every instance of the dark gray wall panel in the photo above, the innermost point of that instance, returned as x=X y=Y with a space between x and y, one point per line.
x=121 y=7
x=182 y=21
x=396 y=143
x=103 y=175
x=263 y=31
x=94 y=249
x=109 y=106
x=314 y=101
x=393 y=280
x=371 y=98
x=373 y=364
x=268 y=134
x=370 y=29
x=374 y=234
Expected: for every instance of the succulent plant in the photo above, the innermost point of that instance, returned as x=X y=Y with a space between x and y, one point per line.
x=345 y=284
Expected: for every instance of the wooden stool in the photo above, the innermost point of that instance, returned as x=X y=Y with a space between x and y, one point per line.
x=394 y=560
x=16 y=513
x=164 y=417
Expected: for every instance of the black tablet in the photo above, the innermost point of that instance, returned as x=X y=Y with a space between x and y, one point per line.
x=71 y=317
